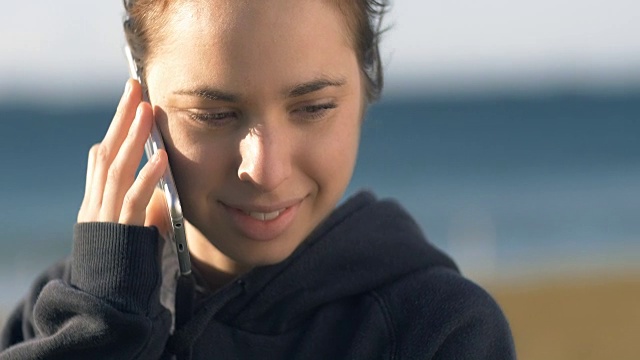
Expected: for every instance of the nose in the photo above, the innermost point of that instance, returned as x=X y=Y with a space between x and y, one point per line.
x=266 y=161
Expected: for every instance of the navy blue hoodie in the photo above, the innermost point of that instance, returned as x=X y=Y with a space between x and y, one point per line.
x=365 y=285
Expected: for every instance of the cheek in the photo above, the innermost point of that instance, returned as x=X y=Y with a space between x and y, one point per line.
x=331 y=159
x=198 y=161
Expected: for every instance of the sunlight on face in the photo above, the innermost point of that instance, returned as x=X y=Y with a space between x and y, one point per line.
x=260 y=104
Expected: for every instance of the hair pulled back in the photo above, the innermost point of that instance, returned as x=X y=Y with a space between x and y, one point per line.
x=363 y=19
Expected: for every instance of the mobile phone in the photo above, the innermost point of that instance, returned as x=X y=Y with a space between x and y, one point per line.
x=166 y=184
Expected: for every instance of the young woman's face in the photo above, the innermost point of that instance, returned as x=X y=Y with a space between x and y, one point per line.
x=260 y=104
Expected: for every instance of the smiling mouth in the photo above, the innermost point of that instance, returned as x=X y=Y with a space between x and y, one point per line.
x=262 y=222
x=263 y=213
x=262 y=216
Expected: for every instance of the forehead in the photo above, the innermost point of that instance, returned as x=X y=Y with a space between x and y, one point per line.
x=224 y=18
x=266 y=39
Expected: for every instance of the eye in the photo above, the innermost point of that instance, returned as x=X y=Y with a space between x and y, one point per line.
x=213 y=118
x=314 y=112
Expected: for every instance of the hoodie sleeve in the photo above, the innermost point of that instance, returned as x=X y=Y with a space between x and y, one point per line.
x=102 y=304
x=440 y=315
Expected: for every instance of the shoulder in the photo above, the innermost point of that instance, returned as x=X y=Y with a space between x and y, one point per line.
x=440 y=295
x=60 y=270
x=437 y=313
x=20 y=324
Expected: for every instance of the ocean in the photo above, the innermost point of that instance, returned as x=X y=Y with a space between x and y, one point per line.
x=509 y=185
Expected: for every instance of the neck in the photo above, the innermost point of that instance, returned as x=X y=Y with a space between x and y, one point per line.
x=215 y=268
x=212 y=276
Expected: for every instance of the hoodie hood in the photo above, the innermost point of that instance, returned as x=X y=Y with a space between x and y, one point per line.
x=363 y=245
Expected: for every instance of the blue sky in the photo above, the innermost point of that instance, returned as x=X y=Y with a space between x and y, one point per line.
x=59 y=47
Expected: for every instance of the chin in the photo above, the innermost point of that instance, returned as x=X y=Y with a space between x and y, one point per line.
x=247 y=253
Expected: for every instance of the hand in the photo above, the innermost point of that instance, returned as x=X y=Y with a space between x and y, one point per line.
x=112 y=191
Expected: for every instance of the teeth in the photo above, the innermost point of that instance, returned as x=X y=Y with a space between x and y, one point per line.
x=264 y=216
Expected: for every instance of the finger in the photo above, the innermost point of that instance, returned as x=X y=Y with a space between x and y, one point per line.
x=123 y=117
x=113 y=139
x=122 y=171
x=83 y=214
x=157 y=213
x=139 y=195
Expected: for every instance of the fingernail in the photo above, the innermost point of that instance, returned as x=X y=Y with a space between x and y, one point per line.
x=155 y=158
x=138 y=111
x=127 y=87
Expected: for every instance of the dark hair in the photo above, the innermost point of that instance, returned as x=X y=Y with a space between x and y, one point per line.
x=363 y=19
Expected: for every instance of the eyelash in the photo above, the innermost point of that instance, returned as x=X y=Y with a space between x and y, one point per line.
x=218 y=119
x=315 y=112
x=215 y=119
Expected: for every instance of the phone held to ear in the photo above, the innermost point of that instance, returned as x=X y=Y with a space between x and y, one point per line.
x=166 y=183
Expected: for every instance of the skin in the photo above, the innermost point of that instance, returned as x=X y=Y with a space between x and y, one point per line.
x=260 y=104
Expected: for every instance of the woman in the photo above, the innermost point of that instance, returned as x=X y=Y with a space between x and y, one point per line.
x=260 y=104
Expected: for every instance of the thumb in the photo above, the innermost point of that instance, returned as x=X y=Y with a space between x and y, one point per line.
x=157 y=213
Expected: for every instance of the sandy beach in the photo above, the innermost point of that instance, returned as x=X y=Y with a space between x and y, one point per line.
x=585 y=318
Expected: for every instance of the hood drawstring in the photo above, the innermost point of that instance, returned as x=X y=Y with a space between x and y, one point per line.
x=182 y=341
x=185 y=292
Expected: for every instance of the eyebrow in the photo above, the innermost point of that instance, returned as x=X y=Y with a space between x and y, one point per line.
x=210 y=94
x=312 y=86
x=298 y=90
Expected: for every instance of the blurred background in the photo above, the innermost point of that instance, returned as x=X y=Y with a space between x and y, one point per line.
x=509 y=129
